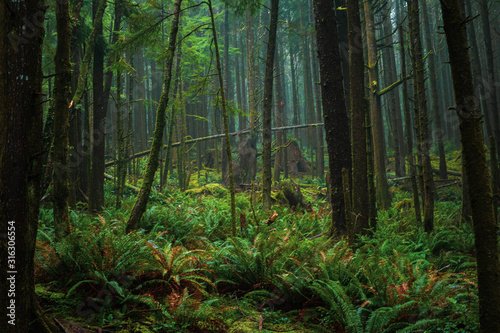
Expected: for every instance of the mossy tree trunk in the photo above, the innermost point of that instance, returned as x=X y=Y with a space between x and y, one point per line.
x=121 y=170
x=360 y=195
x=153 y=160
x=334 y=108
x=392 y=98
x=226 y=121
x=267 y=108
x=62 y=96
x=423 y=118
x=379 y=150
x=409 y=129
x=476 y=169
x=21 y=125
x=252 y=89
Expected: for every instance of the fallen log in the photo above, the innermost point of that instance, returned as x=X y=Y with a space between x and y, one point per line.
x=436 y=171
x=212 y=137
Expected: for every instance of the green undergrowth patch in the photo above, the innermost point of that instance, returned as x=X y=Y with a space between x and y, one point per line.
x=184 y=272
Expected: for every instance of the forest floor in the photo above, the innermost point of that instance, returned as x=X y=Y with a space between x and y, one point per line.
x=183 y=272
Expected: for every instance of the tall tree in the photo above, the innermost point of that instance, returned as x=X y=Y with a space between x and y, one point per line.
x=96 y=188
x=379 y=150
x=225 y=120
x=476 y=169
x=21 y=124
x=153 y=160
x=252 y=90
x=268 y=106
x=334 y=109
x=360 y=194
x=423 y=118
x=394 y=106
x=409 y=129
x=62 y=91
x=443 y=172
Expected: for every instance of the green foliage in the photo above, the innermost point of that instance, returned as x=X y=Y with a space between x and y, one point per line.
x=184 y=273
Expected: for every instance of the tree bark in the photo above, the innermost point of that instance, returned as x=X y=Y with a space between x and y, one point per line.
x=443 y=173
x=393 y=99
x=96 y=188
x=267 y=108
x=62 y=95
x=476 y=170
x=21 y=124
x=252 y=89
x=334 y=111
x=409 y=130
x=360 y=195
x=379 y=153
x=421 y=106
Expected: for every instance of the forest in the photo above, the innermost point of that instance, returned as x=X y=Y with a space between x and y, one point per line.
x=249 y=166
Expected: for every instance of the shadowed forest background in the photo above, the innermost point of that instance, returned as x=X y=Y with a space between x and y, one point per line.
x=250 y=166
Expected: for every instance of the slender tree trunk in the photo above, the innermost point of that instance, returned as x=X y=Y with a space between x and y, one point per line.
x=62 y=95
x=120 y=137
x=334 y=112
x=267 y=108
x=320 y=153
x=382 y=187
x=394 y=106
x=409 y=130
x=443 y=172
x=252 y=89
x=474 y=156
x=360 y=195
x=141 y=132
x=226 y=122
x=96 y=191
x=279 y=158
x=421 y=105
x=239 y=90
x=143 y=197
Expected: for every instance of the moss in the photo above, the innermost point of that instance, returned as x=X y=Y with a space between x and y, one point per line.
x=209 y=189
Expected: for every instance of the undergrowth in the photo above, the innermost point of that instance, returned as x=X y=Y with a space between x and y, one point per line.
x=182 y=272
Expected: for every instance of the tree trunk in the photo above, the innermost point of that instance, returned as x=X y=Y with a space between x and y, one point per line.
x=143 y=197
x=279 y=157
x=267 y=108
x=379 y=153
x=226 y=121
x=252 y=89
x=394 y=105
x=409 y=130
x=96 y=190
x=443 y=173
x=474 y=156
x=121 y=171
x=21 y=124
x=62 y=95
x=421 y=105
x=360 y=195
x=334 y=112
